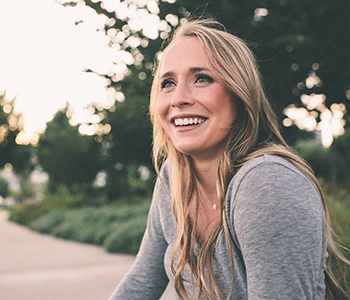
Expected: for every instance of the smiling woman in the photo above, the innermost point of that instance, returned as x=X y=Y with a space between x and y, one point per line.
x=236 y=214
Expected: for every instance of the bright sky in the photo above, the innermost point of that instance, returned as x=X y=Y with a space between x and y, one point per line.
x=42 y=56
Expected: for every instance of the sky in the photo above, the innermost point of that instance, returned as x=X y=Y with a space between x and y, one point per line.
x=43 y=56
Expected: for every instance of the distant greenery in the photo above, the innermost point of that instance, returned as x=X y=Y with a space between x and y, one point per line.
x=339 y=207
x=27 y=212
x=116 y=227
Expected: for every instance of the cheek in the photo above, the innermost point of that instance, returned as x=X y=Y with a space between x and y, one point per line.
x=162 y=109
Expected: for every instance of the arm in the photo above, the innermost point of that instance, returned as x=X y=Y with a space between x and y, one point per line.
x=147 y=278
x=279 y=225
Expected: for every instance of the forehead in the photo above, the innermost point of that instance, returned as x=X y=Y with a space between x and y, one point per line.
x=185 y=52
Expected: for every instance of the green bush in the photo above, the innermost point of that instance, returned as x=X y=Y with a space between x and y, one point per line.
x=126 y=237
x=48 y=222
x=317 y=156
x=119 y=228
x=4 y=188
x=338 y=201
x=27 y=212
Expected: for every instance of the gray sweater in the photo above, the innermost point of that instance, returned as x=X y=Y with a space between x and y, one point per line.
x=276 y=222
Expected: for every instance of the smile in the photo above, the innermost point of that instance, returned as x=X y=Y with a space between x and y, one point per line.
x=188 y=121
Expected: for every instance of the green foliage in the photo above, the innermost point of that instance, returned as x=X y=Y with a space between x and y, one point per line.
x=27 y=190
x=71 y=160
x=340 y=159
x=24 y=214
x=131 y=127
x=317 y=156
x=130 y=139
x=330 y=164
x=27 y=212
x=4 y=188
x=126 y=180
x=126 y=237
x=338 y=201
x=118 y=228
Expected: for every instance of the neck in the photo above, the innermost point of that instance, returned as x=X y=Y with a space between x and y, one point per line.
x=207 y=172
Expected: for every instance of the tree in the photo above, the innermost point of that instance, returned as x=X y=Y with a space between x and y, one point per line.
x=4 y=188
x=340 y=160
x=11 y=152
x=70 y=159
x=129 y=141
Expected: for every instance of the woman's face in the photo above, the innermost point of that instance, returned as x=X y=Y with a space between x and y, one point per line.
x=195 y=109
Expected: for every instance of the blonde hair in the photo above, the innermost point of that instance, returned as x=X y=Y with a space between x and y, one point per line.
x=254 y=133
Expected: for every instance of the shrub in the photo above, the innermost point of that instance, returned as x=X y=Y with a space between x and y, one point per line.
x=27 y=212
x=126 y=237
x=119 y=228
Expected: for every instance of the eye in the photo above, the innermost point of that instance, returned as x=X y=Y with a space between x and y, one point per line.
x=201 y=78
x=167 y=83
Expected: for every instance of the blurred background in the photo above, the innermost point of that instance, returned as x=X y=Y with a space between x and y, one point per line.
x=75 y=77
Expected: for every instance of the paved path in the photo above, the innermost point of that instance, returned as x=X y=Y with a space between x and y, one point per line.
x=40 y=267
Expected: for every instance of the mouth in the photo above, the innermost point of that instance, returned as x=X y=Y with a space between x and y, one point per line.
x=188 y=121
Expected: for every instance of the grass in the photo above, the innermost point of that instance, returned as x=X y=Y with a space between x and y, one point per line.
x=338 y=202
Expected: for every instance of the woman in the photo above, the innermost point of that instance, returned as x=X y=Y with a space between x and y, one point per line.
x=235 y=213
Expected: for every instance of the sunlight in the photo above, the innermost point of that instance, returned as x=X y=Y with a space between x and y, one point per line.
x=259 y=13
x=312 y=80
x=313 y=101
x=331 y=123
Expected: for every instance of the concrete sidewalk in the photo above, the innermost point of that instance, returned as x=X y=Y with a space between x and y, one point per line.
x=37 y=267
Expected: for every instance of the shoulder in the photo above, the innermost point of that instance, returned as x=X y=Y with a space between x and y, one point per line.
x=263 y=164
x=268 y=196
x=271 y=184
x=266 y=170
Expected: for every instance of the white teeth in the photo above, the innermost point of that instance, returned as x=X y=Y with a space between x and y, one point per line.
x=188 y=121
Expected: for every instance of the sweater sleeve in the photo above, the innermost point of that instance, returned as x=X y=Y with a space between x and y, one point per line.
x=147 y=278
x=278 y=219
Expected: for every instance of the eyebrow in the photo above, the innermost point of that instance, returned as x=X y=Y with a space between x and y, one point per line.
x=191 y=70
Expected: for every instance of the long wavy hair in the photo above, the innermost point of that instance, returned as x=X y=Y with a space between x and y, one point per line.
x=255 y=132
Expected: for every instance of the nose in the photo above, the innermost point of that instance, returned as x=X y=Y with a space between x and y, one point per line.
x=182 y=96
